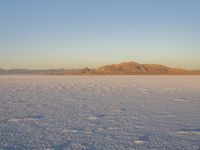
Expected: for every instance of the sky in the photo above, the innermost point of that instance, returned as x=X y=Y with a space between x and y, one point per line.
x=45 y=34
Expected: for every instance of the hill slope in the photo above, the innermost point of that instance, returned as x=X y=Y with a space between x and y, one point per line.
x=133 y=68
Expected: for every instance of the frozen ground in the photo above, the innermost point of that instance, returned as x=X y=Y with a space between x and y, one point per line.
x=100 y=112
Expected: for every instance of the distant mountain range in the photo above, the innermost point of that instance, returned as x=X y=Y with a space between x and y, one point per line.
x=126 y=68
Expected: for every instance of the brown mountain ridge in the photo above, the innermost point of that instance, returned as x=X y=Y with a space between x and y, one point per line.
x=133 y=68
x=125 y=68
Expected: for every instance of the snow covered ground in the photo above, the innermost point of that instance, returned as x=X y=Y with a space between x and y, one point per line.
x=100 y=112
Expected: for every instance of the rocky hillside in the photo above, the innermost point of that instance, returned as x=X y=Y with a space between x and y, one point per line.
x=133 y=68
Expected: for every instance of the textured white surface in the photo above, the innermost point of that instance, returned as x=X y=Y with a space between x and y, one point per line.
x=100 y=112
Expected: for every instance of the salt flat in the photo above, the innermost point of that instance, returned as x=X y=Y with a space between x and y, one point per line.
x=100 y=112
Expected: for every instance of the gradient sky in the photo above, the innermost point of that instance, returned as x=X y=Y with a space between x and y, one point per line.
x=40 y=34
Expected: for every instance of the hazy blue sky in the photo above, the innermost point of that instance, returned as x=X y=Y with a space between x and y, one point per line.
x=80 y=33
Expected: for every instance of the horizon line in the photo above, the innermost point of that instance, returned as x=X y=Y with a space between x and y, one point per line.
x=86 y=67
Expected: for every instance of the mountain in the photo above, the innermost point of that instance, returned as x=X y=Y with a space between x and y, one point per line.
x=133 y=68
x=125 y=68
x=43 y=72
x=2 y=71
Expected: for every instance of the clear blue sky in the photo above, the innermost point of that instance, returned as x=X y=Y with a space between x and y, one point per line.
x=90 y=33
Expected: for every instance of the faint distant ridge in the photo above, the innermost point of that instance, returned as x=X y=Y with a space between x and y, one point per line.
x=125 y=68
x=43 y=72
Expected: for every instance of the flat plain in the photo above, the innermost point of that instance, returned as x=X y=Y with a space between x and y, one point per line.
x=100 y=112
